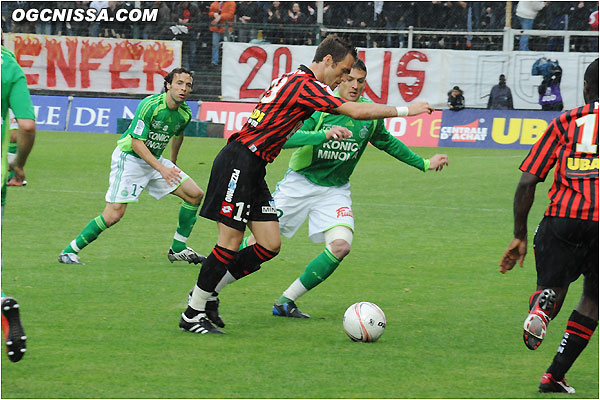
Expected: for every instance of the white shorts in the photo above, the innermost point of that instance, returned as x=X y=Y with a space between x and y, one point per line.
x=297 y=198
x=130 y=176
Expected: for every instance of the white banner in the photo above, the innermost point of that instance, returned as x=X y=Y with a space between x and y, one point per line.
x=86 y=64
x=399 y=76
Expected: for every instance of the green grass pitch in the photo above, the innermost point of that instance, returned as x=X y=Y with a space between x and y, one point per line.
x=426 y=250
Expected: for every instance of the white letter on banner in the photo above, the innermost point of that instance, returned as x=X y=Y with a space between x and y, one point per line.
x=241 y=119
x=52 y=116
x=213 y=116
x=103 y=115
x=397 y=126
x=127 y=113
x=79 y=114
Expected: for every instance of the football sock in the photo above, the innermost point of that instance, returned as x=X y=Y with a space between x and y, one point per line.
x=577 y=335
x=212 y=271
x=94 y=228
x=244 y=243
x=248 y=260
x=187 y=218
x=319 y=269
x=292 y=293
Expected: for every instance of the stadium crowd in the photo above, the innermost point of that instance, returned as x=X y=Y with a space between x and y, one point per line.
x=295 y=22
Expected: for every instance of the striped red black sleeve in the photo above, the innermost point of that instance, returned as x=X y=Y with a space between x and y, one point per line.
x=314 y=95
x=542 y=156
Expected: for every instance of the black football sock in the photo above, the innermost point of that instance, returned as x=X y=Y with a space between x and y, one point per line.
x=577 y=335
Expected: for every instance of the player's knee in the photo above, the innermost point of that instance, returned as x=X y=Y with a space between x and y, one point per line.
x=340 y=248
x=196 y=196
x=113 y=215
x=339 y=241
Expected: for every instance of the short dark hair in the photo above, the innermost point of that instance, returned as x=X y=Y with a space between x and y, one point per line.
x=359 y=64
x=170 y=75
x=338 y=47
x=591 y=76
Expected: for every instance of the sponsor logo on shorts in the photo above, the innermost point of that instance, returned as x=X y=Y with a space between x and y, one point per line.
x=232 y=185
x=269 y=210
x=344 y=212
x=227 y=209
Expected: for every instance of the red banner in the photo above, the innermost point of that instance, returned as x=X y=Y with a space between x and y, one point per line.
x=86 y=64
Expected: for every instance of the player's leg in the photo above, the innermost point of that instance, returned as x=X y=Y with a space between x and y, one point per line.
x=191 y=194
x=194 y=318
x=338 y=242
x=128 y=177
x=583 y=320
x=331 y=221
x=12 y=329
x=113 y=212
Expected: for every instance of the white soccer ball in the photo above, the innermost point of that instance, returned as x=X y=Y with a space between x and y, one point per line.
x=364 y=322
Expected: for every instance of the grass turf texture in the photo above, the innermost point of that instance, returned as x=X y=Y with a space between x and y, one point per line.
x=426 y=250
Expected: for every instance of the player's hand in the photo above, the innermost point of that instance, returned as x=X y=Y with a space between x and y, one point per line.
x=420 y=108
x=516 y=251
x=438 y=162
x=171 y=175
x=338 y=133
x=18 y=178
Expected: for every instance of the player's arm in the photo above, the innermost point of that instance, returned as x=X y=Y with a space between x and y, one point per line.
x=171 y=175
x=22 y=107
x=524 y=196
x=383 y=140
x=311 y=134
x=367 y=111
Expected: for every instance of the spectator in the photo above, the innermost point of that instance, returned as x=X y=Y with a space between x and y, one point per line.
x=295 y=17
x=526 y=11
x=456 y=100
x=248 y=12
x=95 y=26
x=159 y=29
x=187 y=14
x=112 y=29
x=500 y=96
x=222 y=13
x=593 y=23
x=558 y=14
x=275 y=16
x=78 y=28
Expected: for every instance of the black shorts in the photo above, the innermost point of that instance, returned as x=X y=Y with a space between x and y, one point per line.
x=237 y=191
x=566 y=248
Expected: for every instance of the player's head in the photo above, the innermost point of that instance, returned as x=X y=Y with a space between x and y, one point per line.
x=354 y=84
x=502 y=79
x=335 y=57
x=590 y=82
x=178 y=84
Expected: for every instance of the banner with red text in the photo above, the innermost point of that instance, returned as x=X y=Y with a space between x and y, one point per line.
x=86 y=64
x=400 y=76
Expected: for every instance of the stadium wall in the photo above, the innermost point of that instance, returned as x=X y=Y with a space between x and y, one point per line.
x=475 y=128
x=398 y=76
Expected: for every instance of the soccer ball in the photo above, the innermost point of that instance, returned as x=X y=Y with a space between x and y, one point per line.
x=364 y=322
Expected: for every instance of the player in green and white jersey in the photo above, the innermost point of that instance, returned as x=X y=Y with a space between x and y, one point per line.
x=15 y=97
x=137 y=165
x=317 y=186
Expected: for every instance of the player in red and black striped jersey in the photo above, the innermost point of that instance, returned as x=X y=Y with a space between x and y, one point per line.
x=566 y=240
x=237 y=194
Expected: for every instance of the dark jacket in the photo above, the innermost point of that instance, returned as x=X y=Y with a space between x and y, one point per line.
x=500 y=98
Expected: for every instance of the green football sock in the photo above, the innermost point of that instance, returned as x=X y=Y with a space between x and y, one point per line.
x=187 y=218
x=244 y=243
x=316 y=272
x=94 y=228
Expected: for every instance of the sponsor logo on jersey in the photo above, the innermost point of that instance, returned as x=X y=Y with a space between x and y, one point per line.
x=232 y=185
x=578 y=168
x=344 y=212
x=227 y=209
x=338 y=150
x=139 y=127
x=465 y=133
